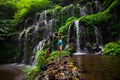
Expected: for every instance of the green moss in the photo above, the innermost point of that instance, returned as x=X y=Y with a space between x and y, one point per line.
x=107 y=3
x=49 y=10
x=64 y=8
x=64 y=29
x=95 y=19
x=100 y=17
x=57 y=8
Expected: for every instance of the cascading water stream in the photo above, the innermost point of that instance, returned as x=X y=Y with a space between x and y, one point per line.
x=98 y=6
x=72 y=9
x=68 y=38
x=45 y=15
x=20 y=45
x=25 y=23
x=98 y=38
x=80 y=38
x=25 y=45
x=83 y=11
x=38 y=47
x=77 y=36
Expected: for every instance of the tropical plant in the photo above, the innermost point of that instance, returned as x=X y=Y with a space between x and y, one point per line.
x=28 y=8
x=56 y=54
x=112 y=49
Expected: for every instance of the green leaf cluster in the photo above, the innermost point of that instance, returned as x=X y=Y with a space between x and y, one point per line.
x=112 y=48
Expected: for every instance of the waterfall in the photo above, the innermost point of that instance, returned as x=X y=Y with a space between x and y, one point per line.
x=45 y=14
x=77 y=35
x=83 y=11
x=40 y=17
x=98 y=38
x=81 y=38
x=30 y=41
x=34 y=37
x=68 y=38
x=18 y=56
x=46 y=29
x=91 y=9
x=36 y=27
x=38 y=47
x=25 y=23
x=25 y=45
x=72 y=9
x=98 y=6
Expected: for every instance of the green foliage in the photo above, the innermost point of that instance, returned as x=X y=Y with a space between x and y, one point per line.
x=70 y=50
x=5 y=29
x=112 y=49
x=95 y=19
x=57 y=8
x=101 y=17
x=56 y=54
x=107 y=3
x=64 y=29
x=115 y=31
x=7 y=33
x=7 y=9
x=28 y=8
x=40 y=60
x=65 y=8
x=32 y=72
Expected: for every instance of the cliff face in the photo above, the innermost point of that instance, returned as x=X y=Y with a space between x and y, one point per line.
x=58 y=16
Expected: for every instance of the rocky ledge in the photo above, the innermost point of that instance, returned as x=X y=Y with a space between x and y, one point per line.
x=59 y=69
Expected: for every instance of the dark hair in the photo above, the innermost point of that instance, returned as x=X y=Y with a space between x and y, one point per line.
x=60 y=36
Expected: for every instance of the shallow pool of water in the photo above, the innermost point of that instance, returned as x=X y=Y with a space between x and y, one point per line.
x=12 y=72
x=98 y=67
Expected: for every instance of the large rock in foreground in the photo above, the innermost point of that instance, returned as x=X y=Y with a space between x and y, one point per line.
x=60 y=69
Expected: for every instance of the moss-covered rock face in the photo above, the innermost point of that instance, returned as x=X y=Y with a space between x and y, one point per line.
x=64 y=29
x=101 y=17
